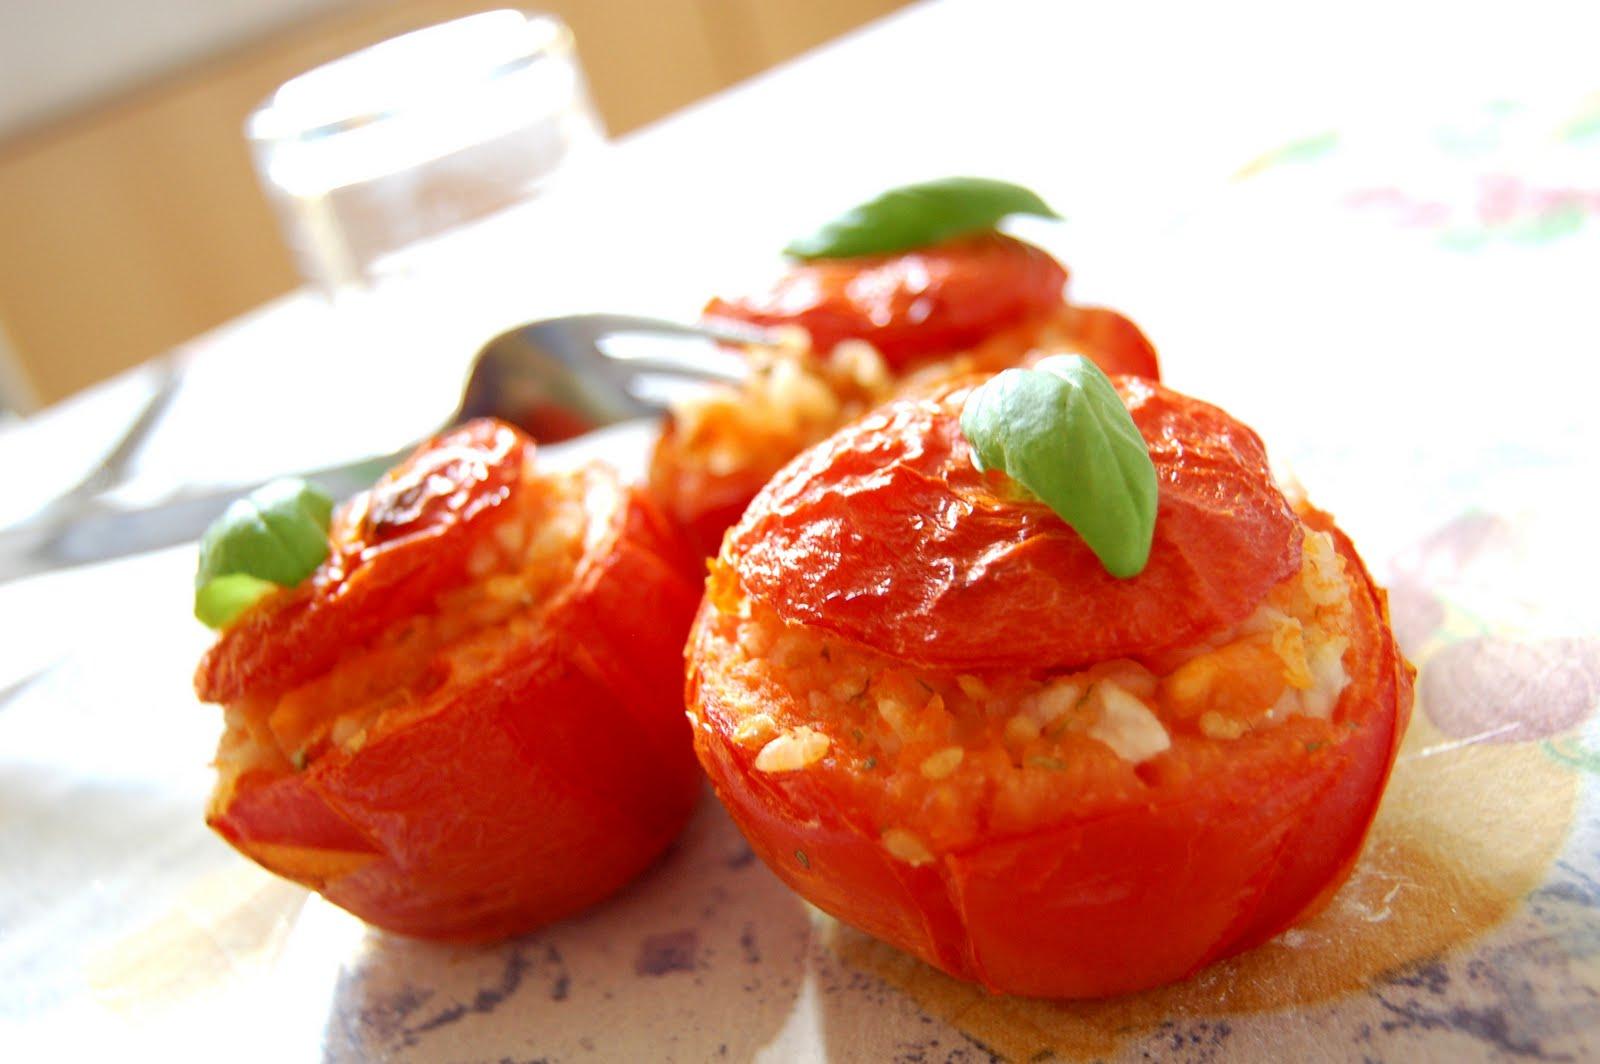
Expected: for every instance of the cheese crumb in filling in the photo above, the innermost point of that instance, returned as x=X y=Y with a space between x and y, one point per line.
x=515 y=570
x=803 y=699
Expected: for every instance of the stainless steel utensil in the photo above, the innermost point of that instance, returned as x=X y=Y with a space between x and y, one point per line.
x=558 y=378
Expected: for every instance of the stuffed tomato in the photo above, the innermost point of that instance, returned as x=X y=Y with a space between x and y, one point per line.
x=860 y=330
x=987 y=295
x=936 y=715
x=467 y=721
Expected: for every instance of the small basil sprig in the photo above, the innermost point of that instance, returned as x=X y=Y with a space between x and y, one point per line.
x=274 y=537
x=1061 y=431
x=915 y=216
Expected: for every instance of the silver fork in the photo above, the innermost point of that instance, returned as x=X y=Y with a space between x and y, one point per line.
x=559 y=378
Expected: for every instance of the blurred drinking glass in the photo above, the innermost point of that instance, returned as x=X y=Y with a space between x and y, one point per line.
x=373 y=159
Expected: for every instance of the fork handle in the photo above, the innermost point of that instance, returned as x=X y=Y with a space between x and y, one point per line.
x=99 y=530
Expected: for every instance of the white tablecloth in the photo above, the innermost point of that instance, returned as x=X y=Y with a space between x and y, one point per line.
x=1374 y=235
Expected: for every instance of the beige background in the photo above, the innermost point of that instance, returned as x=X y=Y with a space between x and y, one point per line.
x=135 y=222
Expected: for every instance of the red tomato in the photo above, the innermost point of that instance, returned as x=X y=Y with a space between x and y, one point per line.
x=912 y=305
x=1204 y=850
x=703 y=504
x=981 y=303
x=493 y=788
x=889 y=516
x=1111 y=341
x=392 y=550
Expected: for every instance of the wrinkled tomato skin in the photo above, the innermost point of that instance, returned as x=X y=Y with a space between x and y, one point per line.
x=533 y=790
x=995 y=301
x=886 y=534
x=1207 y=867
x=706 y=504
x=913 y=305
x=1111 y=341
x=392 y=551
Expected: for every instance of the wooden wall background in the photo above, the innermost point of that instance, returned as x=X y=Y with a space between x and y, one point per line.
x=137 y=224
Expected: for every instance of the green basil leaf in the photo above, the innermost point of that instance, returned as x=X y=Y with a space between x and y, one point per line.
x=1061 y=431
x=274 y=537
x=219 y=601
x=915 y=216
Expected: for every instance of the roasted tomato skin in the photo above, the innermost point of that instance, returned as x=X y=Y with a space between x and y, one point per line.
x=1111 y=341
x=706 y=508
x=991 y=302
x=1204 y=864
x=1105 y=905
x=887 y=534
x=913 y=305
x=392 y=550
x=529 y=791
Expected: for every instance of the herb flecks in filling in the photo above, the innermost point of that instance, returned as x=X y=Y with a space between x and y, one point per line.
x=943 y=756
x=516 y=569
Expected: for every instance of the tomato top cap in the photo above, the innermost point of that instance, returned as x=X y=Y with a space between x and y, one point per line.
x=394 y=548
x=439 y=490
x=888 y=535
x=911 y=305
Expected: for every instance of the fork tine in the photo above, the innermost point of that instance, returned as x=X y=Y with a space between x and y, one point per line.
x=577 y=338
x=661 y=359
x=598 y=326
x=733 y=331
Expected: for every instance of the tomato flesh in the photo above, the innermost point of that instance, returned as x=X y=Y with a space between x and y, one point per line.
x=544 y=765
x=392 y=551
x=1111 y=341
x=888 y=535
x=1205 y=849
x=913 y=305
x=975 y=304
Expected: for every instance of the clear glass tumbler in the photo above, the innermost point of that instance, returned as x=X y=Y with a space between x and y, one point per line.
x=372 y=158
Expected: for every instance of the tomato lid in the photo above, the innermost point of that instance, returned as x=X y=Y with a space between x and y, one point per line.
x=887 y=535
x=393 y=549
x=911 y=305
